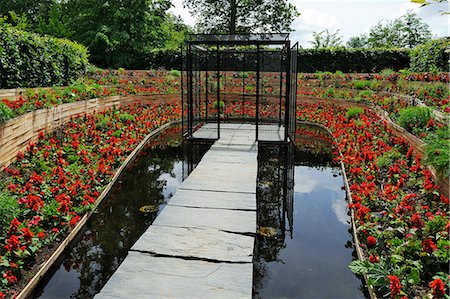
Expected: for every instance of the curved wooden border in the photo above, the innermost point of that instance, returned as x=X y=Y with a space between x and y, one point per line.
x=26 y=291
x=358 y=249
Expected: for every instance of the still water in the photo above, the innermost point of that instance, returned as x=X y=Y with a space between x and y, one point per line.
x=308 y=252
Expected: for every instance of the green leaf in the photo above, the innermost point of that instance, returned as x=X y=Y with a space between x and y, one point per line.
x=414 y=276
x=359 y=267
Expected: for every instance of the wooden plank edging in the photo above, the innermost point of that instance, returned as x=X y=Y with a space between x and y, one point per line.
x=27 y=290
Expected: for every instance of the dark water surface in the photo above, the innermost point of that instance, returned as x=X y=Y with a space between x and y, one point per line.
x=310 y=260
x=152 y=179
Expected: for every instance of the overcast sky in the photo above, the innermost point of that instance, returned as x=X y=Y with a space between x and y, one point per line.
x=352 y=17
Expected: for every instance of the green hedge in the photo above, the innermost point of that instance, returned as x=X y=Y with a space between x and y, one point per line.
x=31 y=60
x=352 y=60
x=312 y=60
x=431 y=56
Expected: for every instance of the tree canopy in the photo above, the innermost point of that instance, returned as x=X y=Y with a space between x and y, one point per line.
x=118 y=33
x=242 y=16
x=407 y=31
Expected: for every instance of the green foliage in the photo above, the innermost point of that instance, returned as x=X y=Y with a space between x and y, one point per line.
x=9 y=208
x=438 y=151
x=431 y=56
x=351 y=60
x=5 y=113
x=406 y=31
x=414 y=119
x=326 y=39
x=354 y=112
x=30 y=60
x=175 y=73
x=388 y=158
x=242 y=16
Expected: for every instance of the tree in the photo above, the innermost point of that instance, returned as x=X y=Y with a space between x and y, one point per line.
x=358 y=41
x=414 y=31
x=326 y=39
x=119 y=33
x=407 y=31
x=242 y=16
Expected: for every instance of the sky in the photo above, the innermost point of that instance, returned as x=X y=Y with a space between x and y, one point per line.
x=352 y=17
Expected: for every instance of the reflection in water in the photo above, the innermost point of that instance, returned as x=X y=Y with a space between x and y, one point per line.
x=99 y=250
x=311 y=260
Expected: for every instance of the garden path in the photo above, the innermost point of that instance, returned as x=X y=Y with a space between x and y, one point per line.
x=201 y=244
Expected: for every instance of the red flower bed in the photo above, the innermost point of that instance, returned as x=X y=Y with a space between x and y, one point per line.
x=57 y=180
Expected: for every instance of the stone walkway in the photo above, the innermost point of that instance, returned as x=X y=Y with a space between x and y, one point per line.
x=201 y=244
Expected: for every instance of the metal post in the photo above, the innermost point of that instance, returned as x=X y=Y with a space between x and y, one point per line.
x=206 y=89
x=190 y=92
x=288 y=92
x=182 y=93
x=257 y=92
x=218 y=92
x=281 y=86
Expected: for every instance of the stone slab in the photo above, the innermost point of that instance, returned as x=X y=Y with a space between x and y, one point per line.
x=146 y=276
x=216 y=200
x=226 y=220
x=203 y=243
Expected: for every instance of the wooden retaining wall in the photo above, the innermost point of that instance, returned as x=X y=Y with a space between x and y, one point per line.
x=17 y=133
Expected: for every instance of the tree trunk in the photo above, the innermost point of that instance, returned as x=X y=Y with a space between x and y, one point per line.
x=233 y=12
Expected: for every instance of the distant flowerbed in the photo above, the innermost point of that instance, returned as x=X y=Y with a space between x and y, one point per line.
x=82 y=90
x=56 y=180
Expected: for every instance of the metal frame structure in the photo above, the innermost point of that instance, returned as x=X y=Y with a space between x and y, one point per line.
x=210 y=60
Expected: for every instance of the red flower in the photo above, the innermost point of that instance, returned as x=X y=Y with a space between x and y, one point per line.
x=2 y=296
x=10 y=277
x=371 y=241
x=438 y=287
x=12 y=243
x=374 y=259
x=41 y=235
x=394 y=285
x=27 y=234
x=14 y=225
x=74 y=220
x=429 y=246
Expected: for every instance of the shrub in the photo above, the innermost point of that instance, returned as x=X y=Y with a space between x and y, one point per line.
x=414 y=119
x=353 y=112
x=175 y=73
x=31 y=60
x=388 y=158
x=431 y=56
x=5 y=113
x=438 y=152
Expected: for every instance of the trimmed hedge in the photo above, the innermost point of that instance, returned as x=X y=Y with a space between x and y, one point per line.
x=312 y=60
x=352 y=60
x=32 y=60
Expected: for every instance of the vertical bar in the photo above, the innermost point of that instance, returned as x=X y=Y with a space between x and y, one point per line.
x=190 y=92
x=281 y=86
x=218 y=92
x=288 y=93
x=257 y=91
x=182 y=93
x=206 y=81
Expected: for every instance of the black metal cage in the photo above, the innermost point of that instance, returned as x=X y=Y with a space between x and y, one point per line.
x=240 y=78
